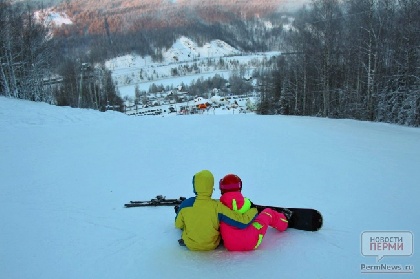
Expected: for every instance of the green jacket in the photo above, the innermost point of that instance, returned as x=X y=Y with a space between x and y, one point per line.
x=199 y=217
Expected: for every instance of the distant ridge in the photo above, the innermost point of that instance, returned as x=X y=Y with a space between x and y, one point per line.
x=149 y=14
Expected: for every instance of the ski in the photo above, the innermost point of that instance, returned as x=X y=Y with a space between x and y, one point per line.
x=306 y=219
x=157 y=201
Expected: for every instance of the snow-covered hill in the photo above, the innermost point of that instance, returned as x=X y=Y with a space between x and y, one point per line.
x=66 y=173
x=52 y=18
x=184 y=49
x=183 y=62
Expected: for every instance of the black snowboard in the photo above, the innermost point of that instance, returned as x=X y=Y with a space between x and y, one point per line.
x=306 y=219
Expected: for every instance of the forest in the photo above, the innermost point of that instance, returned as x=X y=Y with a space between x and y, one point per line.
x=356 y=59
x=34 y=66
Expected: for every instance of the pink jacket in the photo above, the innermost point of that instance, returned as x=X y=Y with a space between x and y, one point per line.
x=235 y=239
x=251 y=237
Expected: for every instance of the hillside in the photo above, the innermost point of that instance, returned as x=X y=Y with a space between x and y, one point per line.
x=252 y=7
x=124 y=16
x=184 y=62
x=107 y=29
x=66 y=174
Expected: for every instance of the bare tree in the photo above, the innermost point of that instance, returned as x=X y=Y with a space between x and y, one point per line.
x=356 y=59
x=24 y=54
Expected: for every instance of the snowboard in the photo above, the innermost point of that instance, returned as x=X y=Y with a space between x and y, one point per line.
x=306 y=219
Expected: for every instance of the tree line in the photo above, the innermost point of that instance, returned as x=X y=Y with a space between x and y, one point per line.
x=349 y=59
x=24 y=54
x=34 y=66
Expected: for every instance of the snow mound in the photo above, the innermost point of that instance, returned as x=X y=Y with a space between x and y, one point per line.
x=184 y=49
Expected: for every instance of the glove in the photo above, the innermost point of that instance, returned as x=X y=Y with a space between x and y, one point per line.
x=176 y=207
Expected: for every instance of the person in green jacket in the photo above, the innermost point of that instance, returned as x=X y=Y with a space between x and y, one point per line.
x=199 y=217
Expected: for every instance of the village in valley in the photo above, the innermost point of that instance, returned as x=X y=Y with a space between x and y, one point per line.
x=151 y=87
x=165 y=104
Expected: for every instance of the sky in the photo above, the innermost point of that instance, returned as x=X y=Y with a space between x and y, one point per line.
x=66 y=174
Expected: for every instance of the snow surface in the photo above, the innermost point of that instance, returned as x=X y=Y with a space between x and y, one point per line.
x=66 y=173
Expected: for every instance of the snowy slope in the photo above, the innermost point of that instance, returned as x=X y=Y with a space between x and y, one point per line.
x=184 y=49
x=66 y=174
x=186 y=58
x=51 y=18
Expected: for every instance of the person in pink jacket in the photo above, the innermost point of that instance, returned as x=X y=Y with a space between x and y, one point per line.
x=250 y=238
